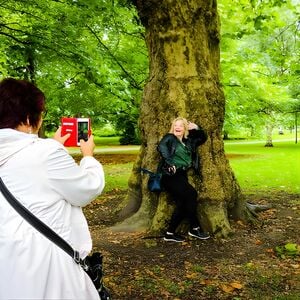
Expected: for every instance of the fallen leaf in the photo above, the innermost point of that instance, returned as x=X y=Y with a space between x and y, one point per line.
x=227 y=288
x=206 y=282
x=191 y=275
x=239 y=222
x=116 y=242
x=249 y=265
x=236 y=285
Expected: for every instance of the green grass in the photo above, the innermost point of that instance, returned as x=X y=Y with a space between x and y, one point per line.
x=116 y=176
x=106 y=141
x=257 y=168
x=266 y=168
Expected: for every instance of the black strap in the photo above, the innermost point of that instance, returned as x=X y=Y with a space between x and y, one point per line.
x=37 y=223
x=146 y=171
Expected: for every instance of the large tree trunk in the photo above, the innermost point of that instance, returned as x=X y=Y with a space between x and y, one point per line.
x=183 y=42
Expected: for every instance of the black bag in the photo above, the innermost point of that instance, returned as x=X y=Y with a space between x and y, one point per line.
x=154 y=181
x=92 y=264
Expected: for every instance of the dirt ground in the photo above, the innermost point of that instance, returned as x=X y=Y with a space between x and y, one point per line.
x=259 y=261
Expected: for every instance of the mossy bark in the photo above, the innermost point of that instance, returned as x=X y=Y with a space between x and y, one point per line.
x=183 y=42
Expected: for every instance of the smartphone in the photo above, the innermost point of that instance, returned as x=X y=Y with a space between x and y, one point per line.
x=79 y=128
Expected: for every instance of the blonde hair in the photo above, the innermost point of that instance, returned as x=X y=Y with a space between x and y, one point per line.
x=185 y=124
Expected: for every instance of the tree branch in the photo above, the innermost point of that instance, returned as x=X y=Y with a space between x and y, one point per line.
x=131 y=79
x=14 y=38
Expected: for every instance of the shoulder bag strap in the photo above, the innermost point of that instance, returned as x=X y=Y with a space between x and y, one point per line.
x=38 y=224
x=143 y=170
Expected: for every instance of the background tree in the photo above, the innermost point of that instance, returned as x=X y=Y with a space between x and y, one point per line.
x=259 y=59
x=77 y=52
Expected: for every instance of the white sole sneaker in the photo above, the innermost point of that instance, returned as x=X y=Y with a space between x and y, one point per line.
x=199 y=237
x=169 y=239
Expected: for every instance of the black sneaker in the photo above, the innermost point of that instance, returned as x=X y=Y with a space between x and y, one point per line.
x=173 y=237
x=195 y=232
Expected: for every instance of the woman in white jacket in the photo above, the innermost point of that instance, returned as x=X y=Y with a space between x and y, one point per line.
x=46 y=180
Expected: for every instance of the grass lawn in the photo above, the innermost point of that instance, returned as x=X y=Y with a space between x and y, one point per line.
x=266 y=168
x=116 y=176
x=257 y=168
x=107 y=141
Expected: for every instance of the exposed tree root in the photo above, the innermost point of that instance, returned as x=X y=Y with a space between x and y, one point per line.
x=252 y=211
x=257 y=207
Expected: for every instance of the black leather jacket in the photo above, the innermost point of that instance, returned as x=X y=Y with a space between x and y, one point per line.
x=169 y=142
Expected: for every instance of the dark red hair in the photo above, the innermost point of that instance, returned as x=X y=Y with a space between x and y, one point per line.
x=20 y=100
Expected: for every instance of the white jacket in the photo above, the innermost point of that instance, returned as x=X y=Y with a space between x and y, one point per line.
x=45 y=179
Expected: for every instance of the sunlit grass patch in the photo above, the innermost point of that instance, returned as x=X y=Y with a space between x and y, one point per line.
x=257 y=168
x=266 y=168
x=116 y=176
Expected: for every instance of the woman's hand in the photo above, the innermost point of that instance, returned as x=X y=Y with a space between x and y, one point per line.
x=172 y=170
x=192 y=126
x=87 y=147
x=61 y=139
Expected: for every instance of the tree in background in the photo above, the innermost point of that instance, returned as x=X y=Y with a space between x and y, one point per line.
x=81 y=53
x=260 y=59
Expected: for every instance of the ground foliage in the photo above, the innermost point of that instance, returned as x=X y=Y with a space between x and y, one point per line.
x=256 y=262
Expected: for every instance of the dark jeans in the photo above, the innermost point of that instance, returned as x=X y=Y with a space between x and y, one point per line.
x=185 y=197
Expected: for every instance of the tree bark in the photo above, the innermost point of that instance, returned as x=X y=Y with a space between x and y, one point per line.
x=269 y=131
x=183 y=42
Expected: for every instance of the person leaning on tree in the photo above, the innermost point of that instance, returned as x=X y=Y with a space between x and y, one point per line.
x=178 y=150
x=46 y=180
